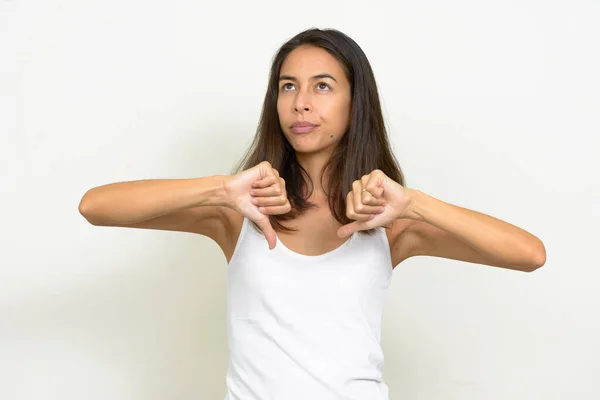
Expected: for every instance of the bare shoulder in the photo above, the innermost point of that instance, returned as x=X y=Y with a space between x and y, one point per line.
x=401 y=240
x=221 y=224
x=224 y=228
x=232 y=226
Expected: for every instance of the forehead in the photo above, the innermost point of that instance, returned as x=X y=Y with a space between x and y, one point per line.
x=307 y=61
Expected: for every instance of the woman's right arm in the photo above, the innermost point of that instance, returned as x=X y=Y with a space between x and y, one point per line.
x=198 y=205
x=212 y=206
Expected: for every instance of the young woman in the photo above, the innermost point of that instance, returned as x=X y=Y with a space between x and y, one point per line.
x=322 y=188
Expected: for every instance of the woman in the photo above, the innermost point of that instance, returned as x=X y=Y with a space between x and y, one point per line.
x=321 y=184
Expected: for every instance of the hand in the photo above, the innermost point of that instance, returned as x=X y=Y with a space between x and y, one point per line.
x=375 y=200
x=256 y=193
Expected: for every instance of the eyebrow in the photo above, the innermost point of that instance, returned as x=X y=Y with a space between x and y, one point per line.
x=294 y=79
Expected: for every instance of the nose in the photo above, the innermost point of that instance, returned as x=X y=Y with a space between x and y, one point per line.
x=303 y=102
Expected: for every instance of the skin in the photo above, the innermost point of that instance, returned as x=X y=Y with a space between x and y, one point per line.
x=306 y=95
x=428 y=226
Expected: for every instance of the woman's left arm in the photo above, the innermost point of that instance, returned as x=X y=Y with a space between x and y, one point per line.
x=441 y=229
x=431 y=227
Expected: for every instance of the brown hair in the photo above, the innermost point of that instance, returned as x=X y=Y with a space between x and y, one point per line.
x=364 y=148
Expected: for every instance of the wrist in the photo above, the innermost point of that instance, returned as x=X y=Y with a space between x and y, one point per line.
x=211 y=191
x=417 y=208
x=225 y=191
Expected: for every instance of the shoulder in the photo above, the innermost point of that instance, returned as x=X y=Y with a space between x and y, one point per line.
x=232 y=226
x=402 y=240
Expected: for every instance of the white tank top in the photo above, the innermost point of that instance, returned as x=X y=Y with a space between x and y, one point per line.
x=306 y=327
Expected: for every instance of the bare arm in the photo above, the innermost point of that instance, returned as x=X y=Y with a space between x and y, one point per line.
x=212 y=206
x=440 y=229
x=169 y=204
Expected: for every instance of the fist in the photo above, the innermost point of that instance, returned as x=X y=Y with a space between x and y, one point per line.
x=257 y=193
x=375 y=200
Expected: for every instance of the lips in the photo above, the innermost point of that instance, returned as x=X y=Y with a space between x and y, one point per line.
x=303 y=127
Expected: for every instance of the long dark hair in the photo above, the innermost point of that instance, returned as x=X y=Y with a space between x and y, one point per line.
x=364 y=148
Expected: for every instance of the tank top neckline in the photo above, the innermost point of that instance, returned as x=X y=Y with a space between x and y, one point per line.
x=282 y=247
x=336 y=250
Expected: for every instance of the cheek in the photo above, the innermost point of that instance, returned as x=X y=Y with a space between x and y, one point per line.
x=346 y=112
x=283 y=102
x=339 y=114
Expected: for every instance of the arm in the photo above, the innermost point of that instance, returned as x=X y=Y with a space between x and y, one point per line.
x=443 y=230
x=170 y=204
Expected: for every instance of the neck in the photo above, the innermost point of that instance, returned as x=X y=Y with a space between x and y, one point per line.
x=313 y=164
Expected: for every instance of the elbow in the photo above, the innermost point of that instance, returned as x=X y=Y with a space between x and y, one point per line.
x=539 y=262
x=86 y=210
x=537 y=259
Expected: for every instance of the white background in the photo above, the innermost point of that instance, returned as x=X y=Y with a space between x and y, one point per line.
x=491 y=106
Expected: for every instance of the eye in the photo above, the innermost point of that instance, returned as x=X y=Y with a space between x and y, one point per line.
x=286 y=86
x=323 y=86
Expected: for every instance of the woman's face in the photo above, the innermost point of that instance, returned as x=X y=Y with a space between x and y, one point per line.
x=314 y=100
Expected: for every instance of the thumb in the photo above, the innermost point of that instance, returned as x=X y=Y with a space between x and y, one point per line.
x=270 y=235
x=348 y=229
x=265 y=169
